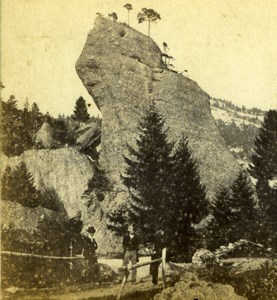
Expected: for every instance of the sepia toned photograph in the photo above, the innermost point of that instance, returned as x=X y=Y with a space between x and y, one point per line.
x=138 y=150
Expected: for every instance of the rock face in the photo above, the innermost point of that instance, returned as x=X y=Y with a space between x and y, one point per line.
x=16 y=216
x=123 y=71
x=65 y=170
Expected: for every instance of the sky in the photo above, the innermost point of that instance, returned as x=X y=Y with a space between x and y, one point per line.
x=228 y=47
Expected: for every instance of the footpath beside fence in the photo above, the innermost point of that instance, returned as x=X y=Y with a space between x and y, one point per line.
x=127 y=270
x=35 y=270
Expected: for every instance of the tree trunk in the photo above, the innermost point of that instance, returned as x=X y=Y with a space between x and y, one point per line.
x=148 y=27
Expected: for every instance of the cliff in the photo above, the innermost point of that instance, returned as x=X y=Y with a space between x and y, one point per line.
x=123 y=71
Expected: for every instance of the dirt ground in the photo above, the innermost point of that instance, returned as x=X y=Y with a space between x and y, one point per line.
x=143 y=289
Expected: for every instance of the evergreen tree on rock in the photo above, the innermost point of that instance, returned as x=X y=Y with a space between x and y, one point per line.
x=81 y=112
x=149 y=15
x=147 y=175
x=188 y=203
x=129 y=7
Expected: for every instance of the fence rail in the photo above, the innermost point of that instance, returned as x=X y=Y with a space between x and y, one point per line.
x=135 y=266
x=40 y=256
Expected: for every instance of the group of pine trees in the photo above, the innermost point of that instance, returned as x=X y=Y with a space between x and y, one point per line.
x=241 y=137
x=17 y=185
x=166 y=193
x=165 y=189
x=148 y=15
x=19 y=126
x=238 y=213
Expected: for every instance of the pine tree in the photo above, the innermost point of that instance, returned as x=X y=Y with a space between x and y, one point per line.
x=263 y=170
x=7 y=185
x=129 y=7
x=80 y=111
x=36 y=118
x=149 y=15
x=15 y=136
x=147 y=174
x=244 y=213
x=219 y=228
x=99 y=184
x=264 y=158
x=188 y=204
x=24 y=188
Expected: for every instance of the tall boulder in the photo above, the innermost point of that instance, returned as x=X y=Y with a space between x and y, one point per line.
x=44 y=137
x=123 y=71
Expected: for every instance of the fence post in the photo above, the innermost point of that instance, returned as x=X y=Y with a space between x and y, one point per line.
x=70 y=255
x=163 y=267
x=126 y=274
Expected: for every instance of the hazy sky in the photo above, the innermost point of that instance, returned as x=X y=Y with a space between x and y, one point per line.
x=228 y=47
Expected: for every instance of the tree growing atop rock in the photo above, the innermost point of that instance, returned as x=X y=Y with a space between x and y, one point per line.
x=81 y=112
x=149 y=15
x=113 y=16
x=129 y=7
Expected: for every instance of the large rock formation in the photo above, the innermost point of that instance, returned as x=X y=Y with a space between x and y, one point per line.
x=123 y=71
x=64 y=170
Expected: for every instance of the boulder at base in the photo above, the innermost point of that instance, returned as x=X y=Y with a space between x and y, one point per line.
x=190 y=287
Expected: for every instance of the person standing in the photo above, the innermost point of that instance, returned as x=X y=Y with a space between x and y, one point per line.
x=131 y=247
x=158 y=245
x=89 y=252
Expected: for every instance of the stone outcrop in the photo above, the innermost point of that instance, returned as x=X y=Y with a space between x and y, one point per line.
x=123 y=71
x=88 y=135
x=65 y=170
x=17 y=217
x=44 y=137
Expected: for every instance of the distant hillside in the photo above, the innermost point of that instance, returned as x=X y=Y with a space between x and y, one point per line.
x=239 y=126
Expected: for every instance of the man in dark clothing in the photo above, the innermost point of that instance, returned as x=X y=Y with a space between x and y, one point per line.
x=158 y=245
x=131 y=247
x=89 y=248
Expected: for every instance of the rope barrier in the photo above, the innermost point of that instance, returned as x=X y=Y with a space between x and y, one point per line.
x=40 y=256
